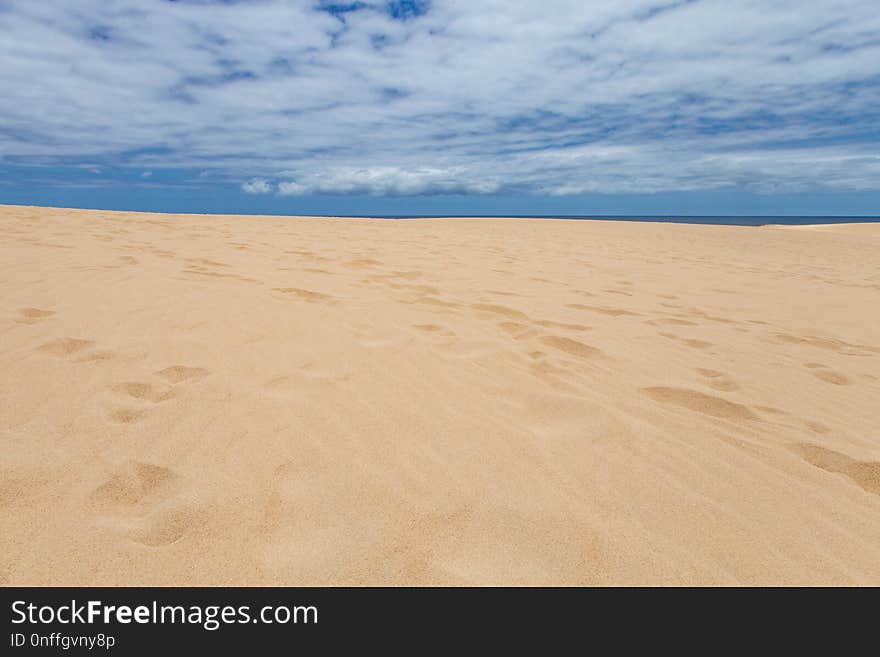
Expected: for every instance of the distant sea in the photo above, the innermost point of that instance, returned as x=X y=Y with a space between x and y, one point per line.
x=672 y=219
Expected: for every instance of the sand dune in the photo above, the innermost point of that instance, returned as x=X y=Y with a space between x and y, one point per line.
x=266 y=400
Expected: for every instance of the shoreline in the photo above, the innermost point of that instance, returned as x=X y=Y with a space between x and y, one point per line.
x=634 y=218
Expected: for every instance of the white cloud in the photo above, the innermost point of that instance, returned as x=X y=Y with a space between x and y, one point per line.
x=257 y=186
x=557 y=96
x=386 y=180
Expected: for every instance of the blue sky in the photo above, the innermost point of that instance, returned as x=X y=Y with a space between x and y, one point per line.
x=442 y=106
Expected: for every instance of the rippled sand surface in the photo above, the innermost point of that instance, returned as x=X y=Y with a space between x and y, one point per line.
x=289 y=400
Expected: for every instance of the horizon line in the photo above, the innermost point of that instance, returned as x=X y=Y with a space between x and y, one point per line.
x=647 y=217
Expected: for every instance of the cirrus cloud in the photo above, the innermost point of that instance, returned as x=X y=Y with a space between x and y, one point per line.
x=408 y=97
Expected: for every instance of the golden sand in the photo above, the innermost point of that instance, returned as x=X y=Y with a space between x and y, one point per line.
x=277 y=400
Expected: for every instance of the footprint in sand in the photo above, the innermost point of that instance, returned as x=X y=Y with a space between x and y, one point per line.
x=63 y=347
x=181 y=373
x=516 y=330
x=828 y=375
x=700 y=402
x=305 y=295
x=126 y=415
x=863 y=473
x=360 y=263
x=33 y=315
x=169 y=523
x=96 y=356
x=816 y=427
x=275 y=506
x=562 y=325
x=406 y=275
x=718 y=380
x=571 y=347
x=670 y=321
x=829 y=344
x=70 y=347
x=133 y=484
x=206 y=263
x=143 y=391
x=435 y=329
x=432 y=301
x=511 y=313
x=143 y=502
x=690 y=342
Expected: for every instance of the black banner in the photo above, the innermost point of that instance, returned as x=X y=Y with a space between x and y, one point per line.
x=147 y=620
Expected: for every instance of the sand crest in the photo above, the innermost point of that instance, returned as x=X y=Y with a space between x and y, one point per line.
x=296 y=401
